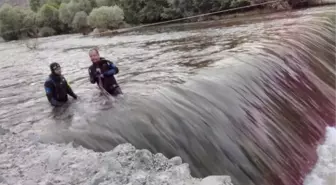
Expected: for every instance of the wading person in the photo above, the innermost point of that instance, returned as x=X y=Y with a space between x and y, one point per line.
x=56 y=87
x=102 y=72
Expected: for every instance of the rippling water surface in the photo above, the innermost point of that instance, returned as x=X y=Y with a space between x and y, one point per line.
x=249 y=100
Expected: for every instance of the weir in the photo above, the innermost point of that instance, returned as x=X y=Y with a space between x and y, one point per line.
x=258 y=120
x=255 y=113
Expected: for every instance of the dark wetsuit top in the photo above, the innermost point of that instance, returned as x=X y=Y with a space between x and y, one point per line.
x=57 y=90
x=108 y=69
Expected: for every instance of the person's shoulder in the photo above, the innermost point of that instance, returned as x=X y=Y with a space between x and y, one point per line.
x=91 y=67
x=63 y=78
x=105 y=60
x=48 y=81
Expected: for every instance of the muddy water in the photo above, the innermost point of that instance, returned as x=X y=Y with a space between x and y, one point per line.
x=249 y=100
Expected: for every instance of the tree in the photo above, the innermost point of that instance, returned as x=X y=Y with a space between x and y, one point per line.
x=29 y=22
x=239 y=3
x=101 y=3
x=93 y=3
x=34 y=5
x=143 y=11
x=11 y=22
x=30 y=19
x=81 y=5
x=54 y=3
x=67 y=11
x=179 y=8
x=206 y=6
x=80 y=21
x=47 y=16
x=131 y=10
x=64 y=15
x=106 y=17
x=46 y=32
x=152 y=11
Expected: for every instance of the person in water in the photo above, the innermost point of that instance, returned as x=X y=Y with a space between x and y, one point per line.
x=102 y=72
x=56 y=87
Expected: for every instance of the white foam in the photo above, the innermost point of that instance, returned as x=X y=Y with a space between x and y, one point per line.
x=25 y=162
x=324 y=172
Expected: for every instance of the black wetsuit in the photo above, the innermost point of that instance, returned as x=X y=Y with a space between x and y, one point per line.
x=57 y=90
x=105 y=70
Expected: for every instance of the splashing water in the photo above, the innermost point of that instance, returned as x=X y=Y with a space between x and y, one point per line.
x=256 y=107
x=324 y=172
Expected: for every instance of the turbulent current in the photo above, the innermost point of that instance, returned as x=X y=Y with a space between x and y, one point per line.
x=253 y=99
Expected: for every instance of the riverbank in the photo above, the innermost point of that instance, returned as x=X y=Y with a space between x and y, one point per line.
x=237 y=17
x=194 y=23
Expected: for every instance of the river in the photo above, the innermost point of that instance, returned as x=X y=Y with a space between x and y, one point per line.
x=251 y=100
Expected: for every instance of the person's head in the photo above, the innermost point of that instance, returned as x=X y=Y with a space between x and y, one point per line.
x=94 y=55
x=55 y=68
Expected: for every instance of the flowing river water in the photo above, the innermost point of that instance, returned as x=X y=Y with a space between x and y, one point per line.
x=251 y=99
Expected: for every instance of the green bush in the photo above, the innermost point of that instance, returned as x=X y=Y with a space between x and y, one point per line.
x=93 y=3
x=29 y=23
x=152 y=11
x=12 y=22
x=178 y=8
x=30 y=19
x=131 y=10
x=239 y=3
x=101 y=3
x=68 y=11
x=34 y=5
x=80 y=21
x=65 y=16
x=54 y=3
x=106 y=17
x=82 y=5
x=48 y=16
x=46 y=32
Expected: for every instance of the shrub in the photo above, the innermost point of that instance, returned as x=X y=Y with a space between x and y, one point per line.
x=64 y=15
x=106 y=17
x=46 y=32
x=12 y=22
x=80 y=21
x=48 y=16
x=34 y=5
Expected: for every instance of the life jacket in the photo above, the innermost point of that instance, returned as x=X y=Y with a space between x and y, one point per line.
x=109 y=83
x=60 y=87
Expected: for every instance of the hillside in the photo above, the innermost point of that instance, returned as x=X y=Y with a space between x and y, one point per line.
x=15 y=2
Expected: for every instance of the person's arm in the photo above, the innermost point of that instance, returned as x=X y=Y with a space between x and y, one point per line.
x=92 y=76
x=48 y=86
x=113 y=69
x=70 y=91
